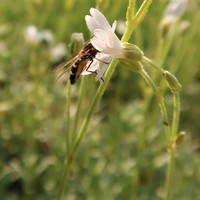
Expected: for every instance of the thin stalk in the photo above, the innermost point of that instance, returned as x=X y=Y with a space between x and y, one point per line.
x=68 y=103
x=142 y=11
x=149 y=62
x=170 y=172
x=170 y=134
x=134 y=20
x=176 y=114
x=172 y=146
x=78 y=110
x=160 y=101
x=68 y=164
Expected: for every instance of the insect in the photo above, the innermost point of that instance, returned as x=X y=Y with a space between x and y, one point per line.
x=79 y=63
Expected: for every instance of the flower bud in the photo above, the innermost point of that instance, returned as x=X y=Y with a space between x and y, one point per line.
x=132 y=52
x=172 y=81
x=166 y=25
x=180 y=138
x=77 y=42
x=183 y=27
x=131 y=65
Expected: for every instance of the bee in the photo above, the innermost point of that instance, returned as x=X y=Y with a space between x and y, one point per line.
x=79 y=63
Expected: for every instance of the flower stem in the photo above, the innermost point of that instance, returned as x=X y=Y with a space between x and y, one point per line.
x=172 y=145
x=134 y=20
x=68 y=103
x=68 y=164
x=170 y=172
x=176 y=114
x=160 y=101
x=77 y=115
x=147 y=61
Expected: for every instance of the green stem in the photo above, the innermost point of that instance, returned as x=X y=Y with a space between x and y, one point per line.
x=134 y=20
x=68 y=103
x=147 y=61
x=68 y=164
x=170 y=172
x=172 y=146
x=142 y=11
x=77 y=115
x=160 y=101
x=176 y=114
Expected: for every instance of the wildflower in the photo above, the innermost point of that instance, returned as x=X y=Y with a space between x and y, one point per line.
x=108 y=44
x=104 y=38
x=31 y=34
x=34 y=37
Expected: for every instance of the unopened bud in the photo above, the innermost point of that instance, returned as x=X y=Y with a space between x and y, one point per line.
x=172 y=81
x=183 y=27
x=77 y=42
x=132 y=52
x=166 y=24
x=180 y=138
x=131 y=65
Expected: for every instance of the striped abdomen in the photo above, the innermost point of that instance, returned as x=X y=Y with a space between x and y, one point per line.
x=76 y=70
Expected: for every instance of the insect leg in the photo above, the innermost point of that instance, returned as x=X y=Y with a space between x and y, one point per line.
x=91 y=61
x=102 y=61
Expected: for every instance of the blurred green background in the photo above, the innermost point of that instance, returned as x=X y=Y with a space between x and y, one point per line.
x=123 y=155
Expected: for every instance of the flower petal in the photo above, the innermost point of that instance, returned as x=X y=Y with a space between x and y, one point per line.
x=114 y=26
x=104 y=38
x=99 y=39
x=91 y=23
x=100 y=18
x=112 y=40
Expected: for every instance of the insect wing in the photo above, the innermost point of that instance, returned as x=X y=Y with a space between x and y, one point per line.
x=66 y=63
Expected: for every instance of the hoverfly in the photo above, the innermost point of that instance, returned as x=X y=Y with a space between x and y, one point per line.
x=79 y=63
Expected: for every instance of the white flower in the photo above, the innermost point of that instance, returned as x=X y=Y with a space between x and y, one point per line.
x=31 y=34
x=98 y=66
x=104 y=38
x=108 y=44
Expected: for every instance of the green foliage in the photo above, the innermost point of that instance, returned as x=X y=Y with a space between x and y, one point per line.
x=124 y=154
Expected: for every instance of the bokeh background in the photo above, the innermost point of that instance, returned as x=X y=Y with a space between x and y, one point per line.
x=124 y=154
